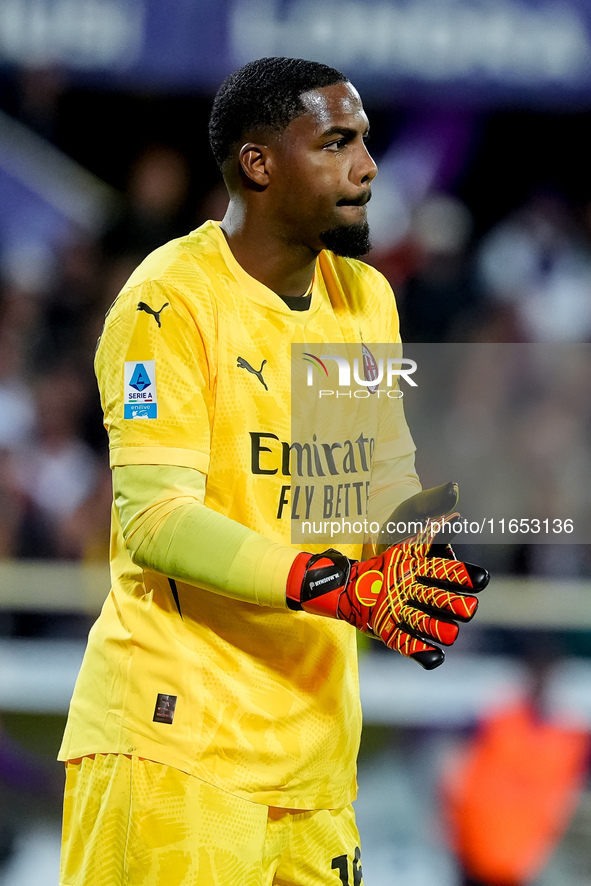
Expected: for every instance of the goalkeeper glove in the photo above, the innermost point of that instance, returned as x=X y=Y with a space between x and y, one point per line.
x=404 y=596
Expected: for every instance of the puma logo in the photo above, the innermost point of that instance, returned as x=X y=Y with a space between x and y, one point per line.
x=142 y=306
x=243 y=364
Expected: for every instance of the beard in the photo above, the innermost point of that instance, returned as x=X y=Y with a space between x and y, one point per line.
x=350 y=241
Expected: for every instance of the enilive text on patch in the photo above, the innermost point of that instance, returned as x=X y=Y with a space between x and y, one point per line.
x=140 y=389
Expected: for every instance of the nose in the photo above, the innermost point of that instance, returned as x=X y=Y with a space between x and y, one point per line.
x=367 y=167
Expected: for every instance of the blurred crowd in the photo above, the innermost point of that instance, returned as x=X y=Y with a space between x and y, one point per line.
x=54 y=477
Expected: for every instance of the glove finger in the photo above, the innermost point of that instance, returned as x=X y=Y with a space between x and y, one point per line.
x=436 y=601
x=430 y=658
x=442 y=550
x=397 y=638
x=412 y=647
x=454 y=572
x=428 y=626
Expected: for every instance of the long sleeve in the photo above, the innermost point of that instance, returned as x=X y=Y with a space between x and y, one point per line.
x=168 y=529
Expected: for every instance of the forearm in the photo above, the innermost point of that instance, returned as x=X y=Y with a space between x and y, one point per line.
x=168 y=529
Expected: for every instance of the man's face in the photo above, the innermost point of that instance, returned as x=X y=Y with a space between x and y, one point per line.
x=323 y=172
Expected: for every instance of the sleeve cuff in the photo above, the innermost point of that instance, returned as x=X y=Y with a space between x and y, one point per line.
x=160 y=455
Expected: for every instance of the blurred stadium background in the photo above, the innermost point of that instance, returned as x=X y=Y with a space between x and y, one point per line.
x=481 y=123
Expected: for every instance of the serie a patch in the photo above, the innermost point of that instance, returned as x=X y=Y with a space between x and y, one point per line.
x=140 y=398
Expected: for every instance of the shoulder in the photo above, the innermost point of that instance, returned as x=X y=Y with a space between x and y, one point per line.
x=182 y=263
x=363 y=293
x=359 y=286
x=183 y=274
x=355 y=276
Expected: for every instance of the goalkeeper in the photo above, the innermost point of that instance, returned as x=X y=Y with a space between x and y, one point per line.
x=215 y=723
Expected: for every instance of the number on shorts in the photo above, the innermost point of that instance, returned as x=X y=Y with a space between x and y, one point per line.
x=357 y=872
x=340 y=864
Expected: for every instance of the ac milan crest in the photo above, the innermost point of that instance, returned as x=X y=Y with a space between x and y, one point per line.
x=370 y=368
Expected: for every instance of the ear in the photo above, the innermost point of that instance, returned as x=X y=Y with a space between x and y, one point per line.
x=255 y=162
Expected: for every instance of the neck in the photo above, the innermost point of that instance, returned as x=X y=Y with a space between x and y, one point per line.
x=283 y=267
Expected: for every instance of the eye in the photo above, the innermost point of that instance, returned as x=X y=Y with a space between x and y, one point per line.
x=337 y=144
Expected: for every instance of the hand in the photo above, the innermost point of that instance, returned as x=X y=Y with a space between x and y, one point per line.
x=434 y=510
x=404 y=596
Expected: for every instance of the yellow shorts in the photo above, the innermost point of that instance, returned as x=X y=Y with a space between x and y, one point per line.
x=133 y=822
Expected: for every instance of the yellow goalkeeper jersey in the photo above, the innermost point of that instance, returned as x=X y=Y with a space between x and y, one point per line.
x=194 y=371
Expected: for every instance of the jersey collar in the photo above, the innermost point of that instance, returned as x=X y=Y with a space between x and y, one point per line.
x=255 y=290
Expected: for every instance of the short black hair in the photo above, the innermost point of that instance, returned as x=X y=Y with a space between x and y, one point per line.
x=266 y=94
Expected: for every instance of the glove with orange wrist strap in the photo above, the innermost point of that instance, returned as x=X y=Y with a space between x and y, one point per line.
x=410 y=595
